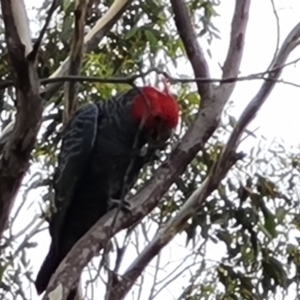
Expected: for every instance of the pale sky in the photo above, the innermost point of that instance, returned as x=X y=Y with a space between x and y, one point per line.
x=279 y=116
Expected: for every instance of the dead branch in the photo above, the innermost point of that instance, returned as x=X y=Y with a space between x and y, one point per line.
x=15 y=157
x=147 y=199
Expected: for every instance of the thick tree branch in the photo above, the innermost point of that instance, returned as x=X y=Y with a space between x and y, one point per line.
x=15 y=157
x=91 y=42
x=192 y=47
x=71 y=88
x=226 y=160
x=147 y=199
x=290 y=43
x=236 y=45
x=167 y=233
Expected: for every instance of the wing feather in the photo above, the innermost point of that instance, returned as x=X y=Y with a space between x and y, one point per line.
x=77 y=144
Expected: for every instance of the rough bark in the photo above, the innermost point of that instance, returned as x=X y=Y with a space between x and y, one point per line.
x=91 y=42
x=15 y=157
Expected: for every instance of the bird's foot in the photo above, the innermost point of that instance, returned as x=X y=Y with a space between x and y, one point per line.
x=150 y=153
x=123 y=204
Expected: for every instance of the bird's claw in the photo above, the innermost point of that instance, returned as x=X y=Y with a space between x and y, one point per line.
x=144 y=151
x=123 y=204
x=151 y=152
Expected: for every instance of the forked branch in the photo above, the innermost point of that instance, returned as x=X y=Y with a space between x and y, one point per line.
x=91 y=42
x=148 y=198
x=15 y=157
x=226 y=160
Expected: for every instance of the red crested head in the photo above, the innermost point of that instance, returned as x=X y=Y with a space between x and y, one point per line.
x=156 y=107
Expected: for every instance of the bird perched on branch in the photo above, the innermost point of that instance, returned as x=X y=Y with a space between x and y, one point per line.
x=101 y=156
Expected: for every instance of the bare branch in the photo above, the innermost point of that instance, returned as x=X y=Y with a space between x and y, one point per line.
x=131 y=79
x=15 y=157
x=20 y=22
x=167 y=233
x=71 y=88
x=290 y=43
x=193 y=49
x=187 y=291
x=91 y=40
x=39 y=40
x=236 y=46
x=26 y=239
x=147 y=199
x=227 y=159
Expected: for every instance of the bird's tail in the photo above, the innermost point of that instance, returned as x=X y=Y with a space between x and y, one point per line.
x=48 y=267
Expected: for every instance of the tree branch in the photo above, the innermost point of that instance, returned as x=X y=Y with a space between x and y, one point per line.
x=236 y=45
x=39 y=40
x=192 y=47
x=131 y=79
x=15 y=157
x=290 y=43
x=277 y=29
x=148 y=198
x=71 y=88
x=91 y=42
x=167 y=233
x=226 y=160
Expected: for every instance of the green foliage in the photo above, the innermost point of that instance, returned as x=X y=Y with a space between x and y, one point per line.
x=251 y=214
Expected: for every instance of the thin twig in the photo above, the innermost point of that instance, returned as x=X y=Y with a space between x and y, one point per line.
x=131 y=79
x=32 y=55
